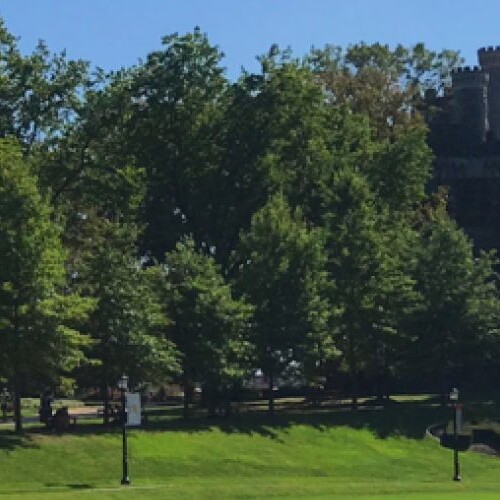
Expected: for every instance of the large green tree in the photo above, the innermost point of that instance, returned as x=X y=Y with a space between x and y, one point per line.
x=208 y=325
x=128 y=322
x=281 y=271
x=40 y=93
x=39 y=318
x=152 y=128
x=172 y=132
x=454 y=335
x=374 y=289
x=279 y=135
x=386 y=85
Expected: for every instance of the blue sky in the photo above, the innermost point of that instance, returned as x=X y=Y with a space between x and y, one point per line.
x=116 y=33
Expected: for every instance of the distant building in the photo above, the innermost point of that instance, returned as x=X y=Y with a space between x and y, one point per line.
x=465 y=136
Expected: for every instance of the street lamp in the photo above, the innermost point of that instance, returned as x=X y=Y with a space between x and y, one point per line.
x=456 y=406
x=123 y=386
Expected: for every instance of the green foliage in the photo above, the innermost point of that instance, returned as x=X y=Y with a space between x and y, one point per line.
x=128 y=322
x=172 y=132
x=275 y=127
x=40 y=92
x=460 y=311
x=87 y=168
x=281 y=271
x=305 y=182
x=208 y=326
x=375 y=292
x=400 y=171
x=39 y=318
x=280 y=136
x=386 y=85
x=355 y=263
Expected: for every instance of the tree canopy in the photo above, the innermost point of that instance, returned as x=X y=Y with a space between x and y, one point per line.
x=165 y=221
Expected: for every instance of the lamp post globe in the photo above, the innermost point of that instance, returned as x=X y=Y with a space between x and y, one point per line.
x=123 y=383
x=454 y=394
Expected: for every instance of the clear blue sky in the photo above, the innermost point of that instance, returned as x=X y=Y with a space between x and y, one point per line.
x=116 y=33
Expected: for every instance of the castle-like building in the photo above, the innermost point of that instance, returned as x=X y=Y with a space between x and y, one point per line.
x=465 y=136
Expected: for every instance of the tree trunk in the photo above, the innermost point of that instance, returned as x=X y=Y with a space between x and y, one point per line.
x=354 y=390
x=187 y=398
x=17 y=378
x=210 y=399
x=228 y=407
x=105 y=403
x=354 y=376
x=381 y=377
x=17 y=410
x=270 y=403
x=446 y=378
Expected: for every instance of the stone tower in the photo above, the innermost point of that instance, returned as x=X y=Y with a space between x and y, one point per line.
x=489 y=59
x=470 y=111
x=466 y=140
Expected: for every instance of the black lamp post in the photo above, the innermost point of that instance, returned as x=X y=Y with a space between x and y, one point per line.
x=456 y=464
x=123 y=386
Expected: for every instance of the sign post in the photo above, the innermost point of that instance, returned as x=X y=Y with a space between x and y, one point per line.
x=123 y=386
x=457 y=424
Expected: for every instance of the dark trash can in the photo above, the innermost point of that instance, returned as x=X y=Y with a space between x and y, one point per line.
x=448 y=441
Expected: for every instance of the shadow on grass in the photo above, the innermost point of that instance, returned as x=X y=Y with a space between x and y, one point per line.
x=71 y=486
x=399 y=419
x=78 y=486
x=408 y=420
x=9 y=441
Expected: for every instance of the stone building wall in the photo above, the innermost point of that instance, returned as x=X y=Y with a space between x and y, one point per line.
x=466 y=140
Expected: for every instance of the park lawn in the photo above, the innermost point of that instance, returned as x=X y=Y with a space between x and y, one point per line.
x=304 y=455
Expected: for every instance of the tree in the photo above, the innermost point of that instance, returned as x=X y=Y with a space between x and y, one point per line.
x=39 y=318
x=373 y=289
x=208 y=326
x=128 y=323
x=39 y=93
x=386 y=85
x=278 y=135
x=281 y=271
x=399 y=171
x=454 y=334
x=172 y=132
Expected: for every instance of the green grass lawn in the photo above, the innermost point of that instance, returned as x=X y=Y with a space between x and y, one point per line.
x=306 y=454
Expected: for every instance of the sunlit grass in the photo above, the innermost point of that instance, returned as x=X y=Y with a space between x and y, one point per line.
x=302 y=454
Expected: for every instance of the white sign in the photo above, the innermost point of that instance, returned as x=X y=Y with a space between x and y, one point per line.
x=133 y=409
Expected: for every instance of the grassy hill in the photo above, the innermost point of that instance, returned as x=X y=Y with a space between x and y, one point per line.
x=302 y=454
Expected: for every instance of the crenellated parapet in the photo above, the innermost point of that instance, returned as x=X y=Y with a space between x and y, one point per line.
x=489 y=57
x=469 y=77
x=470 y=103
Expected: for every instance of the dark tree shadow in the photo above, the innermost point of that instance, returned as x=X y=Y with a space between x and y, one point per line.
x=9 y=441
x=397 y=419
x=408 y=420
